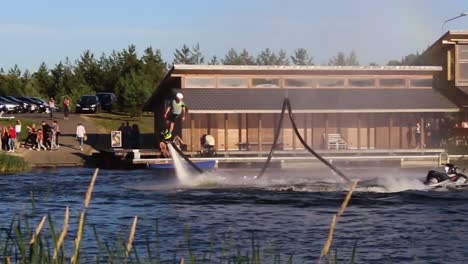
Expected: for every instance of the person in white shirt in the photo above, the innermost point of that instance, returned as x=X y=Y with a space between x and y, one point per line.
x=51 y=107
x=18 y=132
x=80 y=134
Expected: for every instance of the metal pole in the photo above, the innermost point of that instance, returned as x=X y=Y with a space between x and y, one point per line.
x=453 y=18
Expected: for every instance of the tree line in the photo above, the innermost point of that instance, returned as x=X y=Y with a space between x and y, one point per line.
x=133 y=78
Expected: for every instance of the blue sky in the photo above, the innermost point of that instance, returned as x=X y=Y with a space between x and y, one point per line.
x=48 y=31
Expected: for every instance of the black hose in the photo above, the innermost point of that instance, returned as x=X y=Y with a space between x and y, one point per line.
x=277 y=132
x=186 y=158
x=331 y=166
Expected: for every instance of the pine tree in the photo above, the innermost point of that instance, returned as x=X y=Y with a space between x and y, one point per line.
x=246 y=58
x=338 y=60
x=183 y=56
x=267 y=57
x=132 y=91
x=214 y=60
x=351 y=60
x=43 y=80
x=196 y=56
x=301 y=57
x=232 y=58
x=282 y=58
x=154 y=67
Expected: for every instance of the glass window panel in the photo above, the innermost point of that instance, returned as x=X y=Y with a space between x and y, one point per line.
x=463 y=52
x=232 y=82
x=265 y=83
x=392 y=82
x=331 y=82
x=298 y=82
x=196 y=82
x=421 y=83
x=361 y=82
x=463 y=74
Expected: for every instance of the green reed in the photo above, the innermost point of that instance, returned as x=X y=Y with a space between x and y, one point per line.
x=12 y=164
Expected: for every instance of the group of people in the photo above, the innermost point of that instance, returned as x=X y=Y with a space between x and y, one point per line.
x=66 y=107
x=130 y=135
x=436 y=131
x=45 y=137
x=9 y=136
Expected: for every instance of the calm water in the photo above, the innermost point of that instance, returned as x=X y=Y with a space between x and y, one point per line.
x=286 y=210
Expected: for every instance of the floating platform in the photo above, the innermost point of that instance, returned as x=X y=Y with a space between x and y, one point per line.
x=138 y=158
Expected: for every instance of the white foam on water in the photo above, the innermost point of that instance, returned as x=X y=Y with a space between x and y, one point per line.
x=397 y=183
x=181 y=168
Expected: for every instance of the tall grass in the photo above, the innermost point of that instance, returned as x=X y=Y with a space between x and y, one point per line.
x=21 y=244
x=12 y=164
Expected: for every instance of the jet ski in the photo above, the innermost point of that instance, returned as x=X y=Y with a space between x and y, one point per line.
x=453 y=179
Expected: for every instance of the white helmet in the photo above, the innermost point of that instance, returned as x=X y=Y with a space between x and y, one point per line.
x=180 y=96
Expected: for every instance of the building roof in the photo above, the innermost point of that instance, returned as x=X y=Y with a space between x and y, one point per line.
x=294 y=69
x=251 y=100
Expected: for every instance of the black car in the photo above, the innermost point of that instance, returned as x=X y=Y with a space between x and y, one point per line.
x=35 y=106
x=107 y=100
x=43 y=106
x=88 y=103
x=26 y=107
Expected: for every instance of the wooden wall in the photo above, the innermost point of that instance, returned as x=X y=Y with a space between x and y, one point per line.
x=359 y=130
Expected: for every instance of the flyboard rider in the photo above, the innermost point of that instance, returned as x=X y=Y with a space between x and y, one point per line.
x=173 y=112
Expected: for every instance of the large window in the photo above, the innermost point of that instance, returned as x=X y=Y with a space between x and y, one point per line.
x=298 y=83
x=200 y=82
x=330 y=83
x=421 y=83
x=462 y=65
x=392 y=83
x=362 y=82
x=265 y=83
x=232 y=82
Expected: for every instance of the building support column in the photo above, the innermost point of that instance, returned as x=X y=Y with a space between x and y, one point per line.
x=423 y=133
x=326 y=131
x=390 y=128
x=359 y=131
x=259 y=133
x=226 y=141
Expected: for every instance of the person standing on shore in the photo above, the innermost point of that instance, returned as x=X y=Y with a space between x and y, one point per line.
x=66 y=107
x=51 y=107
x=18 y=132
x=80 y=134
x=40 y=140
x=11 y=139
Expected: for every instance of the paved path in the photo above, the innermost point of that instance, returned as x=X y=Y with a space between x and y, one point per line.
x=69 y=153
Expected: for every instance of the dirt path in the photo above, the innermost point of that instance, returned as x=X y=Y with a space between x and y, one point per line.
x=69 y=153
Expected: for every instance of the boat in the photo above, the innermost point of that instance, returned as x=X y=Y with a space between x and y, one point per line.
x=204 y=165
x=453 y=179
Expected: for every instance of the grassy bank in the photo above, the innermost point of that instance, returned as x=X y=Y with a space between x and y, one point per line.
x=12 y=164
x=106 y=122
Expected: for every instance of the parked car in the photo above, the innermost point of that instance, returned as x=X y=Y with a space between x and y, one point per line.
x=11 y=107
x=107 y=100
x=24 y=107
x=88 y=103
x=42 y=106
x=35 y=106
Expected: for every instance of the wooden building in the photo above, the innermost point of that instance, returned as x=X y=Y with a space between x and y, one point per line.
x=450 y=52
x=366 y=107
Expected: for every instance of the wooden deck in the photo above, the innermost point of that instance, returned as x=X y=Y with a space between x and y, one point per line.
x=405 y=157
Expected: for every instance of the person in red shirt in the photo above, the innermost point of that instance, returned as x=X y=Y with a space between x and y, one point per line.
x=11 y=139
x=40 y=140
